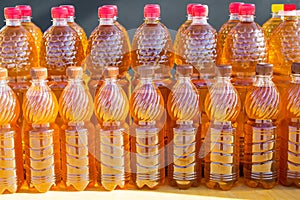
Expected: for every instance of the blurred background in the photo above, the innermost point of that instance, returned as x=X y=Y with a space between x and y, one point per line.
x=173 y=12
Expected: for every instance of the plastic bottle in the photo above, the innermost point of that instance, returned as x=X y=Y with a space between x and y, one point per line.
x=147 y=141
x=290 y=132
x=222 y=106
x=35 y=31
x=17 y=53
x=75 y=108
x=283 y=48
x=61 y=48
x=262 y=105
x=184 y=109
x=243 y=60
x=11 y=161
x=114 y=137
x=276 y=19
x=75 y=26
x=42 y=148
x=234 y=9
x=108 y=47
x=180 y=34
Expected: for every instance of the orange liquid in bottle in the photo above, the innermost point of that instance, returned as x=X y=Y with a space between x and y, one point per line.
x=42 y=148
x=276 y=19
x=11 y=161
x=262 y=105
x=222 y=106
x=290 y=132
x=147 y=141
x=114 y=137
x=184 y=139
x=76 y=109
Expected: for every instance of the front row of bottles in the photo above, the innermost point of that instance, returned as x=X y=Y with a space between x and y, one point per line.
x=135 y=154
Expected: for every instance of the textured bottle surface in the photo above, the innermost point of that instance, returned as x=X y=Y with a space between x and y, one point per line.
x=124 y=31
x=75 y=108
x=81 y=33
x=261 y=153
x=290 y=140
x=112 y=108
x=221 y=143
x=11 y=162
x=270 y=25
x=42 y=150
x=184 y=108
x=179 y=41
x=37 y=35
x=146 y=107
x=223 y=32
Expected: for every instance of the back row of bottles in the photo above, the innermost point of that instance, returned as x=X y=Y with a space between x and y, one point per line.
x=74 y=126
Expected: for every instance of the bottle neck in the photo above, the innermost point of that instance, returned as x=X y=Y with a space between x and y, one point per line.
x=234 y=16
x=247 y=18
x=291 y=18
x=199 y=20
x=26 y=19
x=110 y=80
x=146 y=80
x=71 y=19
x=189 y=17
x=276 y=15
x=223 y=79
x=106 y=21
x=295 y=78
x=60 y=22
x=183 y=79
x=13 y=22
x=3 y=83
x=263 y=81
x=76 y=81
x=39 y=83
x=152 y=20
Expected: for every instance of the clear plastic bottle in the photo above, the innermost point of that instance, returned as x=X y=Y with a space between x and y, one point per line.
x=262 y=105
x=290 y=132
x=222 y=106
x=114 y=137
x=75 y=26
x=276 y=19
x=284 y=48
x=35 y=31
x=184 y=170
x=61 y=48
x=108 y=47
x=180 y=34
x=244 y=47
x=234 y=9
x=75 y=108
x=17 y=53
x=11 y=161
x=42 y=147
x=147 y=141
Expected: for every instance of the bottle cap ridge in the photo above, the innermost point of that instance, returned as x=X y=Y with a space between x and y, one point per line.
x=110 y=72
x=74 y=72
x=289 y=7
x=247 y=9
x=115 y=7
x=70 y=8
x=152 y=11
x=296 y=68
x=234 y=7
x=264 y=69
x=59 y=12
x=39 y=73
x=106 y=12
x=189 y=8
x=184 y=70
x=25 y=10
x=200 y=10
x=224 y=70
x=12 y=13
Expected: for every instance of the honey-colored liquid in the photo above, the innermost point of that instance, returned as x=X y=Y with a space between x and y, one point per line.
x=223 y=32
x=42 y=146
x=81 y=33
x=289 y=137
x=147 y=139
x=114 y=150
x=222 y=142
x=270 y=25
x=261 y=158
x=11 y=159
x=284 y=50
x=184 y=139
x=76 y=109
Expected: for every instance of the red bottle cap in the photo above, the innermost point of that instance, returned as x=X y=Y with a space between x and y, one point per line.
x=152 y=11
x=247 y=9
x=12 y=13
x=234 y=7
x=115 y=7
x=289 y=7
x=59 y=12
x=70 y=8
x=25 y=10
x=106 y=12
x=200 y=10
x=189 y=8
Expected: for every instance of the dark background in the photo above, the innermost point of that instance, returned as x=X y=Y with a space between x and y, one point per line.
x=173 y=12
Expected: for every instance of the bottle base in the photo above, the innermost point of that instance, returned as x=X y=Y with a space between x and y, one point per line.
x=266 y=184
x=221 y=185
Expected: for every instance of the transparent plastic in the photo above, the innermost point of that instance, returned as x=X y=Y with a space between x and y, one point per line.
x=79 y=30
x=272 y=23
